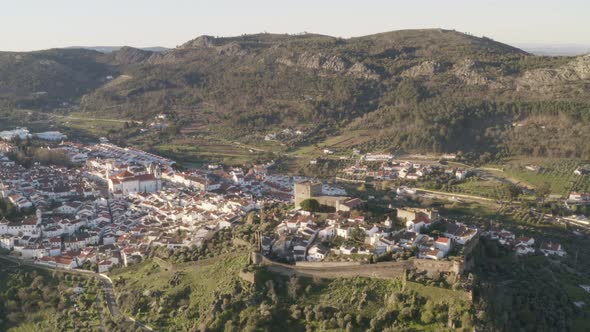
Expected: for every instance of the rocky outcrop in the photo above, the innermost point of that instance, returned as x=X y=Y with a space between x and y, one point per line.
x=331 y=63
x=129 y=55
x=231 y=49
x=472 y=73
x=545 y=79
x=425 y=69
x=201 y=41
x=360 y=70
x=321 y=61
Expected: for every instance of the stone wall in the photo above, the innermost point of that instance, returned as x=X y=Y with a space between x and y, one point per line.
x=326 y=264
x=432 y=266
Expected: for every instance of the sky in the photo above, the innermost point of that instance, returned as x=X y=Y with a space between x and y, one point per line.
x=40 y=24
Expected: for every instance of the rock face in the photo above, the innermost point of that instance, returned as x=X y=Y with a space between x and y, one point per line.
x=471 y=73
x=425 y=69
x=330 y=63
x=545 y=79
x=360 y=70
x=231 y=49
x=201 y=41
x=321 y=61
x=129 y=55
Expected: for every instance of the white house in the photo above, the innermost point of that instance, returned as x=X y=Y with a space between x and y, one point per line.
x=317 y=252
x=552 y=249
x=429 y=253
x=105 y=266
x=443 y=244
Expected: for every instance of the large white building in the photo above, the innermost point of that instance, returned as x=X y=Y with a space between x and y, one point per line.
x=51 y=136
x=126 y=183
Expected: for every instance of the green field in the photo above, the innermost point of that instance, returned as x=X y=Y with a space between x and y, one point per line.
x=341 y=143
x=479 y=187
x=200 y=151
x=83 y=127
x=558 y=173
x=182 y=292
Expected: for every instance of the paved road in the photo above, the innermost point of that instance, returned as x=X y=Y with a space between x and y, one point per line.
x=109 y=295
x=100 y=315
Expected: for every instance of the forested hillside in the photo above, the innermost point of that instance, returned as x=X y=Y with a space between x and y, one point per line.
x=415 y=90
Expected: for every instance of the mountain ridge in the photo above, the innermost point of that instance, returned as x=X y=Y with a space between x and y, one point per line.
x=413 y=89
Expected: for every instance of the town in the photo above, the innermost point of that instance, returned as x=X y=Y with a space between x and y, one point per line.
x=111 y=205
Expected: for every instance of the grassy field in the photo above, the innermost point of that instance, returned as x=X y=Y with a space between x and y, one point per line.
x=84 y=127
x=480 y=187
x=195 y=152
x=188 y=289
x=437 y=294
x=343 y=143
x=558 y=173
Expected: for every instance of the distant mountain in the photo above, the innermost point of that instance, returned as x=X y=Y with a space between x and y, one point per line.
x=556 y=50
x=422 y=90
x=110 y=49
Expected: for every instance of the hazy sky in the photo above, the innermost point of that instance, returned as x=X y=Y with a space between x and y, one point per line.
x=40 y=24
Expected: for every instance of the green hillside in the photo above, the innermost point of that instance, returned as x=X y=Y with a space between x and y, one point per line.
x=211 y=295
x=428 y=90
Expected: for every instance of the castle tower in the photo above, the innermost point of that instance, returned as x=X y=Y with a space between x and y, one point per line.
x=306 y=190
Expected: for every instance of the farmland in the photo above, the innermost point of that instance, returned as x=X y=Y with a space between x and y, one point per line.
x=557 y=173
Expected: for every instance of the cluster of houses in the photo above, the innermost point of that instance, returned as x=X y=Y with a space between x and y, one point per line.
x=303 y=236
x=117 y=203
x=390 y=169
x=523 y=246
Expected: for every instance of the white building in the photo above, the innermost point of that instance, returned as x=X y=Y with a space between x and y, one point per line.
x=552 y=249
x=127 y=183
x=51 y=136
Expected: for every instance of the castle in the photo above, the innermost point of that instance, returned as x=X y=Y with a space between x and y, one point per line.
x=313 y=190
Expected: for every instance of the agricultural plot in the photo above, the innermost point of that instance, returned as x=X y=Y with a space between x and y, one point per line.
x=81 y=127
x=558 y=173
x=479 y=187
x=582 y=184
x=341 y=142
x=199 y=151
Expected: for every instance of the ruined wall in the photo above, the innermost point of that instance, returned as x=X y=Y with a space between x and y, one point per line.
x=432 y=266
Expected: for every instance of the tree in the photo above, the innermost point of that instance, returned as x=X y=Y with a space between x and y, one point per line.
x=310 y=205
x=542 y=191
x=513 y=191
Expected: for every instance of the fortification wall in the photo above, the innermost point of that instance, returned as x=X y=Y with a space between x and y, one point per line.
x=432 y=266
x=326 y=264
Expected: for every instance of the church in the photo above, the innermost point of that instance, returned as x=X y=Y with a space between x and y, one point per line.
x=128 y=182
